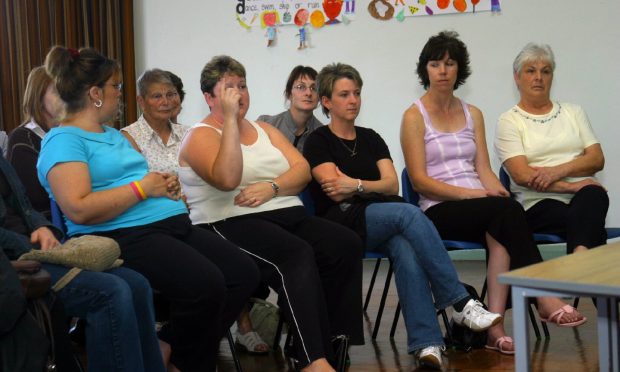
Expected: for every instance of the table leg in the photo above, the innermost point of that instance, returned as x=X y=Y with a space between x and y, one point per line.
x=615 y=345
x=520 y=329
x=606 y=322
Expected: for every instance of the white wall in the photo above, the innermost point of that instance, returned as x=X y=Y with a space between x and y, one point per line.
x=182 y=36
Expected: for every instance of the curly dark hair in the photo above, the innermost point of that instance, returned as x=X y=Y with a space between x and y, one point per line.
x=436 y=48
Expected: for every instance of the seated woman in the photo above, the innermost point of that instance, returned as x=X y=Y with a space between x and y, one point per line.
x=551 y=153
x=116 y=304
x=41 y=109
x=154 y=134
x=158 y=138
x=104 y=188
x=445 y=150
x=178 y=101
x=241 y=180
x=356 y=185
x=298 y=121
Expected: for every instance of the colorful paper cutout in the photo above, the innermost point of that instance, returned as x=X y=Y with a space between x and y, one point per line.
x=385 y=10
x=333 y=11
x=317 y=19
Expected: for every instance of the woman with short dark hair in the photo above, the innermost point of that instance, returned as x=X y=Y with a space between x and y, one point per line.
x=355 y=184
x=444 y=145
x=298 y=121
x=241 y=179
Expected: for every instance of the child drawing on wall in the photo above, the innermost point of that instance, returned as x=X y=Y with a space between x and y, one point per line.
x=301 y=18
x=269 y=20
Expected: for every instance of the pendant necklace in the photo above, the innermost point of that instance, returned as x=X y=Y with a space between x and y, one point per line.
x=351 y=151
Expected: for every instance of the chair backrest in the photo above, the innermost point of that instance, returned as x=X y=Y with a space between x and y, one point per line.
x=306 y=198
x=504 y=178
x=409 y=193
x=58 y=218
x=412 y=197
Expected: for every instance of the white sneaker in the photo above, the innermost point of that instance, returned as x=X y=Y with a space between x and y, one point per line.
x=475 y=317
x=430 y=356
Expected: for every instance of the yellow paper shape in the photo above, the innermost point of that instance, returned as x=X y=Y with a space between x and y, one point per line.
x=317 y=19
x=413 y=9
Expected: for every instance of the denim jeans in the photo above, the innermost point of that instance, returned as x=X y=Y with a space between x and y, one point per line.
x=422 y=268
x=118 y=308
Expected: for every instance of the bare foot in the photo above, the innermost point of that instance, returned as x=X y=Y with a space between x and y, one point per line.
x=495 y=333
x=548 y=305
x=319 y=365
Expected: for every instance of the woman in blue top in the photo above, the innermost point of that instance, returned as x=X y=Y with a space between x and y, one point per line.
x=103 y=186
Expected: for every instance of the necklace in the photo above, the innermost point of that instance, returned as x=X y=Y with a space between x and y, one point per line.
x=351 y=151
x=539 y=121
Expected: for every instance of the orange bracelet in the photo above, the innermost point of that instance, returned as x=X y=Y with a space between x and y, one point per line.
x=137 y=189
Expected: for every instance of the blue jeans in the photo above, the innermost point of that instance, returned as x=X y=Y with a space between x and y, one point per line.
x=118 y=308
x=422 y=268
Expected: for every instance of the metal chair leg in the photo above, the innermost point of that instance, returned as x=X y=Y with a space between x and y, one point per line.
x=372 y=283
x=446 y=324
x=233 y=351
x=483 y=294
x=533 y=320
x=386 y=288
x=395 y=321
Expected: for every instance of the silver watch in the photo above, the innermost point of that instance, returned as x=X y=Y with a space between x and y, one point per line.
x=275 y=188
x=360 y=187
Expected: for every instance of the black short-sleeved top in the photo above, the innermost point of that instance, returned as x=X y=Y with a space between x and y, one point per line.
x=322 y=146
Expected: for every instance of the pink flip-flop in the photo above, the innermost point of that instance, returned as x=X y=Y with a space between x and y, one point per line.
x=556 y=317
x=498 y=345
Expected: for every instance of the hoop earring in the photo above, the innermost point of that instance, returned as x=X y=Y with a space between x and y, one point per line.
x=98 y=104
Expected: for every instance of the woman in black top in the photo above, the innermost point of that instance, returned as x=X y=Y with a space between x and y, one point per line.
x=355 y=184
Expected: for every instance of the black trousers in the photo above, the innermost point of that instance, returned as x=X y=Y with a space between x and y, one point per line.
x=206 y=279
x=580 y=222
x=314 y=265
x=503 y=218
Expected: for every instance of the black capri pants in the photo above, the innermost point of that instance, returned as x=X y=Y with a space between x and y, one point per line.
x=580 y=222
x=503 y=218
x=206 y=279
x=314 y=265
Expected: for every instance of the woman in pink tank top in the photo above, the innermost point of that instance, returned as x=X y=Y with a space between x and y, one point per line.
x=444 y=145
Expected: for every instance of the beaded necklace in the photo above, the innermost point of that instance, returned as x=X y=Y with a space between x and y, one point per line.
x=539 y=121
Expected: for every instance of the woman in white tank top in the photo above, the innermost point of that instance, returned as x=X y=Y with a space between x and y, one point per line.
x=241 y=180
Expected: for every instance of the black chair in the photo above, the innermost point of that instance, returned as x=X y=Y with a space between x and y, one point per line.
x=59 y=221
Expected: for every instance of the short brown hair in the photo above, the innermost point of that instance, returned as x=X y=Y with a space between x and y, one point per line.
x=215 y=70
x=328 y=76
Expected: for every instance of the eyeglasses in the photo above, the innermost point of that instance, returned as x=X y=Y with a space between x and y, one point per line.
x=302 y=88
x=118 y=86
x=158 y=96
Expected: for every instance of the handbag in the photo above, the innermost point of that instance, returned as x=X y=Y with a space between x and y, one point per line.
x=265 y=318
x=88 y=252
x=464 y=338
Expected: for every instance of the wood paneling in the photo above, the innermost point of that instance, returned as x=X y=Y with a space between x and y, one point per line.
x=29 y=28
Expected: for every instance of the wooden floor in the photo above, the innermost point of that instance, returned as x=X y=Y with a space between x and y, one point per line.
x=567 y=350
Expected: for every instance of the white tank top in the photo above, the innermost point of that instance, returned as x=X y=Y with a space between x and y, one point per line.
x=262 y=162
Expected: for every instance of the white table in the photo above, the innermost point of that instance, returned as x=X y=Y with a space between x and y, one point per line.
x=595 y=273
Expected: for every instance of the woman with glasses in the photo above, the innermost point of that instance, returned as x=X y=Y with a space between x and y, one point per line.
x=154 y=134
x=104 y=187
x=298 y=121
x=241 y=179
